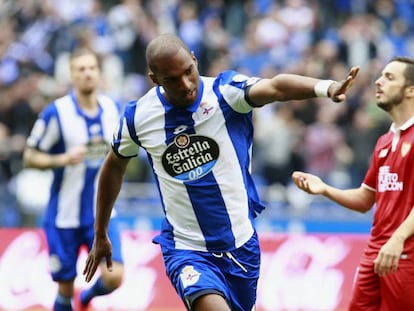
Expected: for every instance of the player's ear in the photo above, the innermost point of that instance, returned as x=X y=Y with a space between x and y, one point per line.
x=153 y=77
x=194 y=58
x=409 y=91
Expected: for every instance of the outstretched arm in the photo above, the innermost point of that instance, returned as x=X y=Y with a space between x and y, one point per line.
x=359 y=199
x=109 y=186
x=284 y=87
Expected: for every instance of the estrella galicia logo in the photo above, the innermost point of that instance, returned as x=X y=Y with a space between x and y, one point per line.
x=190 y=157
x=97 y=149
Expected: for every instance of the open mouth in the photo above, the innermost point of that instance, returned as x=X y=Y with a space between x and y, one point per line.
x=378 y=93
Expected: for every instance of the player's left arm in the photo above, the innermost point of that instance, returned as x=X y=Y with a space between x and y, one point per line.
x=285 y=87
x=391 y=252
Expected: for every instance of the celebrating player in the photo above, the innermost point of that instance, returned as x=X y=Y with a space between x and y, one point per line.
x=198 y=134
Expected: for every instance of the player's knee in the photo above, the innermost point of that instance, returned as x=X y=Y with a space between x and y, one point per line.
x=210 y=301
x=113 y=279
x=66 y=288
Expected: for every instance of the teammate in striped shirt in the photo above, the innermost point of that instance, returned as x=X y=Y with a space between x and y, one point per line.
x=198 y=133
x=385 y=276
x=72 y=136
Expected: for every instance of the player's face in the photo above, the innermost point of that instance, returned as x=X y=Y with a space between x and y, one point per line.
x=391 y=86
x=179 y=77
x=85 y=73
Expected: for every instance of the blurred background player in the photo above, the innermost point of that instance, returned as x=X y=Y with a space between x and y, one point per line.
x=71 y=137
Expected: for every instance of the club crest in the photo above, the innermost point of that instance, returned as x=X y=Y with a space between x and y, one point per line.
x=405 y=148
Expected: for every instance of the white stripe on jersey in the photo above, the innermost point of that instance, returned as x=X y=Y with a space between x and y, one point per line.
x=74 y=133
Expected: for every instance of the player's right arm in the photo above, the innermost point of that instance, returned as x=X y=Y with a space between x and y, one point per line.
x=33 y=158
x=285 y=87
x=109 y=186
x=359 y=199
x=44 y=135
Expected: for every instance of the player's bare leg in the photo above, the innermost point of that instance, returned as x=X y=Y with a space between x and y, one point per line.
x=211 y=302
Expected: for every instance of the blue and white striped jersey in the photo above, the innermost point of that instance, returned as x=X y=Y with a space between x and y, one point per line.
x=61 y=126
x=201 y=160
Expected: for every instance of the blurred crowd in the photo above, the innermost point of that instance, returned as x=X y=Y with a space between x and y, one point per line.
x=321 y=38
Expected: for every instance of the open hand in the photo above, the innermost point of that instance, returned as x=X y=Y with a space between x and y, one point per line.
x=388 y=257
x=309 y=183
x=101 y=249
x=337 y=91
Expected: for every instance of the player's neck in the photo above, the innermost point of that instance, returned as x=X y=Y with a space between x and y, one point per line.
x=88 y=103
x=402 y=113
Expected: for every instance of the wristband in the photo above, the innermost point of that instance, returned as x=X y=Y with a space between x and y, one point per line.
x=321 y=88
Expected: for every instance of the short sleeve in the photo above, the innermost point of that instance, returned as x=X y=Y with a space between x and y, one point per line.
x=125 y=142
x=233 y=87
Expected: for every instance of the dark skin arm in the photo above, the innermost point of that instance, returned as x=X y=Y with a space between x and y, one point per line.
x=284 y=87
x=109 y=186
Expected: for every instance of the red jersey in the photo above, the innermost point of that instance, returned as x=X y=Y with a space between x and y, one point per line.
x=391 y=175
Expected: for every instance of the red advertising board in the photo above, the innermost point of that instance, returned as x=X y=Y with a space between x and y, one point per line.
x=299 y=272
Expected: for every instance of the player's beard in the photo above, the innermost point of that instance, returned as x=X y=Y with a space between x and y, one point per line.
x=184 y=99
x=389 y=104
x=86 y=91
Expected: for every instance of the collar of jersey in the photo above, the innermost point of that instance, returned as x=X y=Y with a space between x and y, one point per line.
x=403 y=127
x=81 y=112
x=192 y=108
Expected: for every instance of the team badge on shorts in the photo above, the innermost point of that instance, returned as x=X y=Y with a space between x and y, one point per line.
x=189 y=276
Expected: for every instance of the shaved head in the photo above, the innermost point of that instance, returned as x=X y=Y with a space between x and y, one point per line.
x=162 y=47
x=172 y=66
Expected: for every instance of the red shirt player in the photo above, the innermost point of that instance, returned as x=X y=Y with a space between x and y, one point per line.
x=385 y=276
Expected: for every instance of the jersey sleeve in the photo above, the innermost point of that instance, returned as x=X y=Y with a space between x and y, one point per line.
x=45 y=132
x=370 y=179
x=125 y=142
x=234 y=86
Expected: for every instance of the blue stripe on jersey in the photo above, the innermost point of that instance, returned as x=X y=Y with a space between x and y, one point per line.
x=178 y=118
x=240 y=130
x=50 y=112
x=208 y=204
x=129 y=117
x=51 y=211
x=87 y=197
